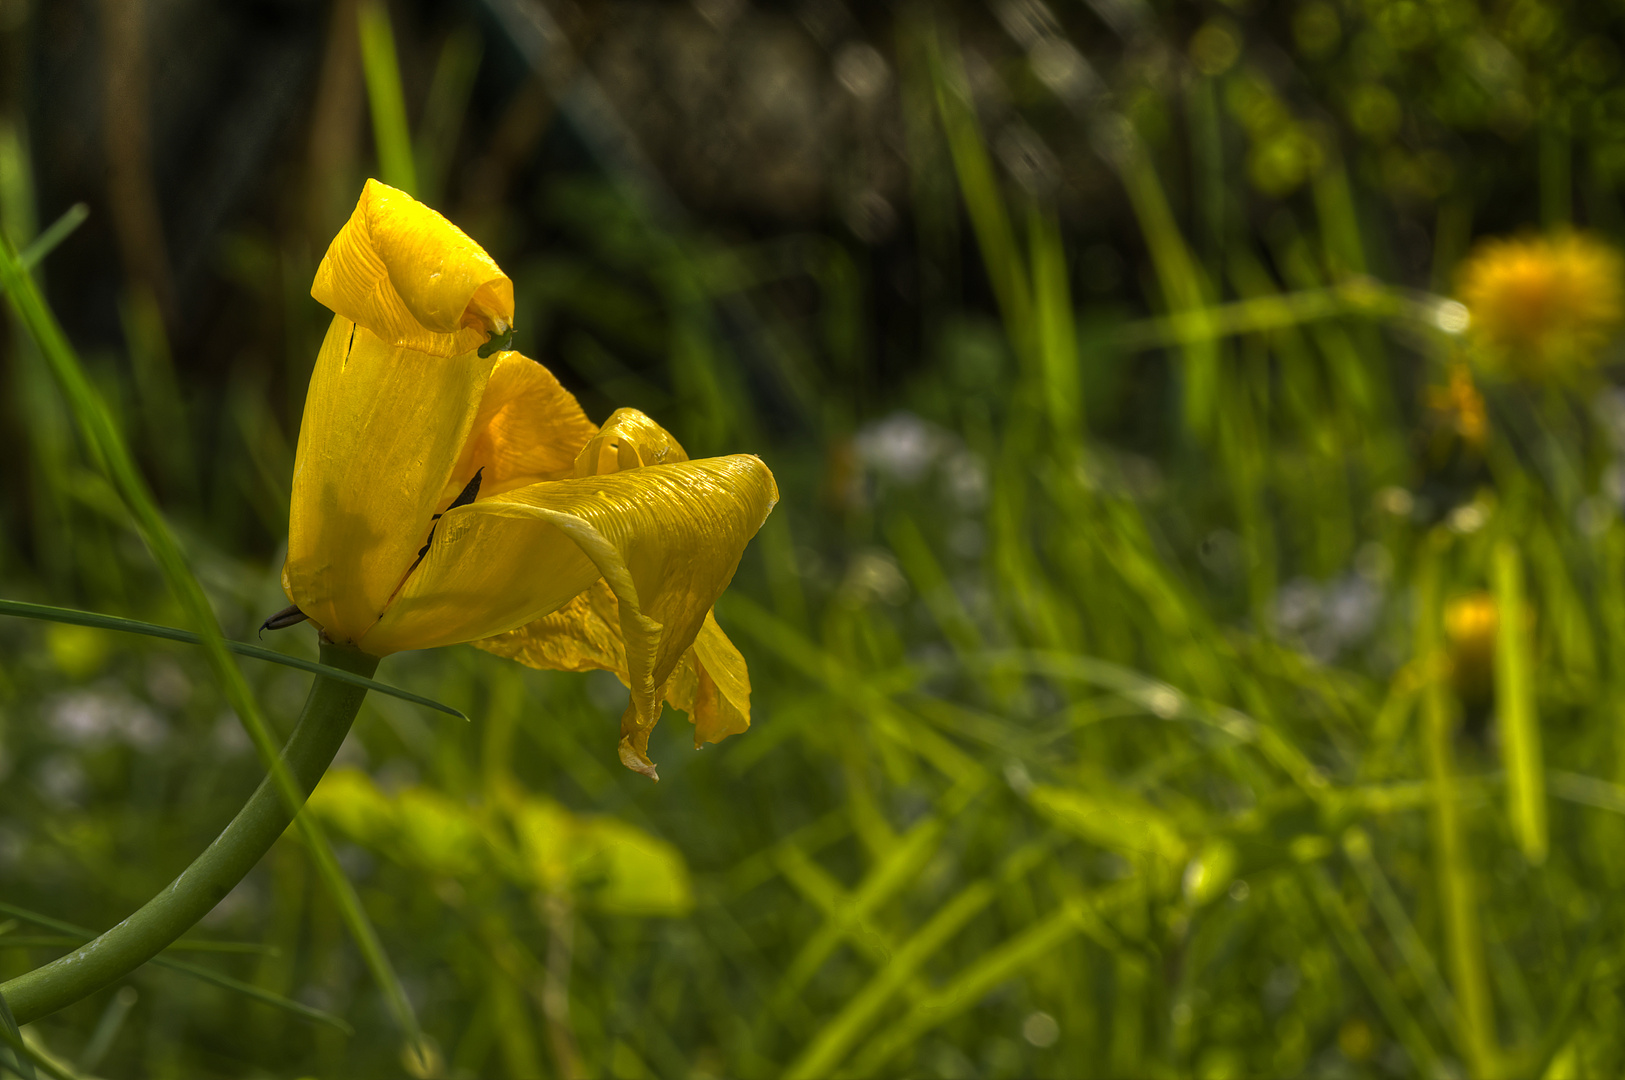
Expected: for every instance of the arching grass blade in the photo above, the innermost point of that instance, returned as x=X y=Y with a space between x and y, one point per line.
x=47 y=613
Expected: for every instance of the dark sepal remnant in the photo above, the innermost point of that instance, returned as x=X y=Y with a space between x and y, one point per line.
x=496 y=343
x=470 y=492
x=288 y=616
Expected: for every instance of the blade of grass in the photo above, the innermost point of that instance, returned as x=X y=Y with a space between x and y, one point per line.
x=979 y=187
x=58 y=231
x=835 y=1039
x=46 y=613
x=1184 y=290
x=108 y=449
x=21 y=1058
x=817 y=885
x=1457 y=894
x=977 y=979
x=444 y=109
x=78 y=935
x=1057 y=335
x=107 y=1028
x=1568 y=1013
x=383 y=73
x=1587 y=790
x=885 y=880
x=864 y=694
x=1339 y=221
x=1357 y=846
x=926 y=575
x=1515 y=707
x=1377 y=984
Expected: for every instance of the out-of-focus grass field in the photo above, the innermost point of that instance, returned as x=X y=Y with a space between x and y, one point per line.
x=1180 y=649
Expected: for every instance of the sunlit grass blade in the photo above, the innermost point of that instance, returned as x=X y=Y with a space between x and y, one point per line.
x=979 y=187
x=58 y=231
x=1587 y=790
x=816 y=884
x=884 y=881
x=1262 y=314
x=1369 y=968
x=1584 y=972
x=1340 y=233
x=836 y=1038
x=1515 y=707
x=1057 y=335
x=418 y=1049
x=1357 y=846
x=1169 y=703
x=926 y=574
x=80 y=934
x=383 y=72
x=17 y=213
x=973 y=982
x=226 y=982
x=111 y=453
x=890 y=720
x=444 y=110
x=1184 y=289
x=1457 y=891
x=46 y=613
x=162 y=408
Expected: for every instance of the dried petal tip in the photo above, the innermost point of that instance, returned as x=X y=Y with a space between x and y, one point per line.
x=637 y=760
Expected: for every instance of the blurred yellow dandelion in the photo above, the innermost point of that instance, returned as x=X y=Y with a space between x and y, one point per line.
x=1542 y=306
x=1459 y=407
x=1470 y=624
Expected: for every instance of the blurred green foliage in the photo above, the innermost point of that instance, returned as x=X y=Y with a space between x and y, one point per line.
x=1115 y=709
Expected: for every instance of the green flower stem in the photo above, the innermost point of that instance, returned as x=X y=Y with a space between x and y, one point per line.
x=329 y=711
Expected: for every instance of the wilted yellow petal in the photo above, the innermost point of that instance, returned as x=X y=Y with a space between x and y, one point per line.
x=528 y=429
x=583 y=635
x=665 y=538
x=709 y=681
x=491 y=566
x=413 y=278
x=381 y=431
x=722 y=707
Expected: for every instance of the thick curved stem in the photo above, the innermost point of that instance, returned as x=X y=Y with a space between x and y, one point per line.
x=328 y=713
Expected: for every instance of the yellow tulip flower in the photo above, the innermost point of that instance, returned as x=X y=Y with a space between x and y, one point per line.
x=441 y=497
